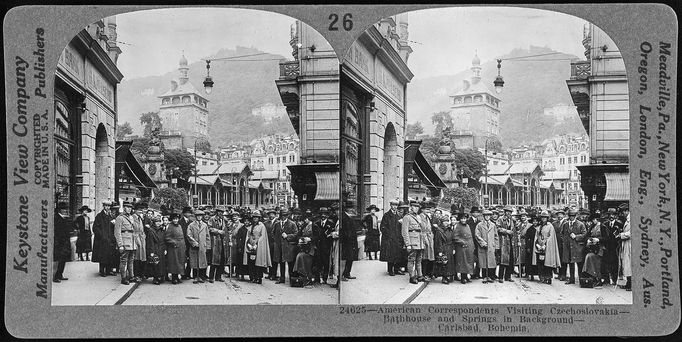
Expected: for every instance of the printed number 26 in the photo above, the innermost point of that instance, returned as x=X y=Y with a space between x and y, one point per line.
x=346 y=21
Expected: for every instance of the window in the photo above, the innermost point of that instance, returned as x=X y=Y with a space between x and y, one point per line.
x=270 y=160
x=575 y=160
x=575 y=173
x=203 y=162
x=582 y=159
x=569 y=160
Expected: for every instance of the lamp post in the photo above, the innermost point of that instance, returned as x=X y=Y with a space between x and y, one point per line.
x=499 y=82
x=208 y=81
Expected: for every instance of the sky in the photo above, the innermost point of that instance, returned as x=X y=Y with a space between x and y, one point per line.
x=447 y=38
x=152 y=41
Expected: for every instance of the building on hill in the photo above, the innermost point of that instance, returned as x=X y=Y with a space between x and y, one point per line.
x=86 y=114
x=269 y=111
x=475 y=110
x=560 y=161
x=599 y=89
x=183 y=111
x=561 y=112
x=204 y=158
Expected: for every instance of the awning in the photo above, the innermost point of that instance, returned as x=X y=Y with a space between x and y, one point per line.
x=426 y=173
x=126 y=161
x=328 y=186
x=617 y=186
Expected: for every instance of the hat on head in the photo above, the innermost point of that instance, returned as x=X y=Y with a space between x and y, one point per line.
x=186 y=210
x=271 y=211
x=284 y=212
x=624 y=206
x=199 y=212
x=107 y=203
x=415 y=203
x=236 y=213
x=394 y=202
x=508 y=208
x=256 y=213
x=460 y=215
x=475 y=209
x=522 y=212
x=487 y=212
x=85 y=208
x=141 y=205
x=62 y=206
x=127 y=204
x=544 y=213
x=114 y=205
x=372 y=206
x=173 y=216
x=572 y=212
x=612 y=211
x=323 y=210
x=219 y=208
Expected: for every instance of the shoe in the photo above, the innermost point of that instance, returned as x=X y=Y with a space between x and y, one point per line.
x=468 y=280
x=391 y=273
x=175 y=281
x=413 y=280
x=56 y=280
x=351 y=277
x=569 y=282
x=210 y=281
x=195 y=281
x=532 y=278
x=509 y=280
x=344 y=279
x=334 y=286
x=399 y=272
x=463 y=281
x=184 y=278
x=562 y=278
x=487 y=280
x=102 y=274
x=280 y=281
x=63 y=278
x=549 y=281
x=125 y=282
x=500 y=280
x=421 y=279
x=220 y=280
x=445 y=281
x=156 y=282
x=259 y=281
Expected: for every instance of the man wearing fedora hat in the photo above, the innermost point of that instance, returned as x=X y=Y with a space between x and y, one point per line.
x=199 y=237
x=62 y=244
x=219 y=245
x=611 y=228
x=371 y=225
x=84 y=242
x=125 y=242
x=184 y=223
x=488 y=242
x=392 y=239
x=508 y=238
x=472 y=222
x=103 y=248
x=322 y=234
x=288 y=244
x=574 y=238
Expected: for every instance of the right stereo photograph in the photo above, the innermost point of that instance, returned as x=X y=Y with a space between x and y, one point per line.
x=484 y=160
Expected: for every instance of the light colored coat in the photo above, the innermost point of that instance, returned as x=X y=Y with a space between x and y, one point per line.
x=198 y=237
x=140 y=238
x=411 y=231
x=258 y=236
x=428 y=234
x=486 y=235
x=123 y=232
x=546 y=236
x=625 y=250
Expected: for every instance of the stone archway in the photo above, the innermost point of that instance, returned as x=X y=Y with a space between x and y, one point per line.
x=391 y=166
x=102 y=168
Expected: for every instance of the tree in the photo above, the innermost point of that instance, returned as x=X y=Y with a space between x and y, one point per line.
x=150 y=121
x=123 y=130
x=441 y=120
x=471 y=162
x=140 y=146
x=180 y=162
x=203 y=145
x=494 y=144
x=412 y=130
x=171 y=197
x=429 y=148
x=467 y=196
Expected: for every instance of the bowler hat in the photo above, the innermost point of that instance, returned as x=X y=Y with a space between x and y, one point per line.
x=85 y=208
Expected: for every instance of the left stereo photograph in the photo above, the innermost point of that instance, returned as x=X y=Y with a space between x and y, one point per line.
x=196 y=161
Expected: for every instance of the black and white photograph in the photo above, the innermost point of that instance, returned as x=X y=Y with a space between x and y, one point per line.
x=193 y=165
x=485 y=160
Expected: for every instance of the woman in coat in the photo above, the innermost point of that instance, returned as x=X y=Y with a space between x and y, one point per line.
x=84 y=242
x=464 y=248
x=371 y=224
x=257 y=249
x=528 y=230
x=546 y=250
x=443 y=247
x=175 y=248
x=486 y=235
x=198 y=236
x=156 y=250
x=303 y=265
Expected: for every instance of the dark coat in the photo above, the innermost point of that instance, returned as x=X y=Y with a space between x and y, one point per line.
x=371 y=235
x=175 y=247
x=270 y=227
x=239 y=233
x=573 y=248
x=84 y=242
x=443 y=242
x=391 y=238
x=104 y=244
x=217 y=228
x=62 y=238
x=348 y=238
x=609 y=242
x=558 y=226
x=472 y=223
x=528 y=248
x=184 y=224
x=156 y=244
x=507 y=231
x=464 y=249
x=322 y=236
x=289 y=245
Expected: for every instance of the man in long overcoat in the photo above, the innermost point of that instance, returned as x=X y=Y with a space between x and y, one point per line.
x=63 y=227
x=506 y=230
x=103 y=248
x=322 y=231
x=348 y=237
x=125 y=242
x=558 y=225
x=219 y=245
x=391 y=239
x=198 y=236
x=488 y=242
x=609 y=262
x=574 y=237
x=288 y=245
x=184 y=222
x=269 y=224
x=625 y=250
x=472 y=222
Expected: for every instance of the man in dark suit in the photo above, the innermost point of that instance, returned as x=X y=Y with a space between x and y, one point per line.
x=322 y=231
x=269 y=224
x=609 y=262
x=289 y=244
x=472 y=222
x=63 y=227
x=391 y=239
x=348 y=237
x=575 y=234
x=103 y=248
x=558 y=225
x=184 y=224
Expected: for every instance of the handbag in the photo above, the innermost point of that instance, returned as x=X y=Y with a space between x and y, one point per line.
x=441 y=260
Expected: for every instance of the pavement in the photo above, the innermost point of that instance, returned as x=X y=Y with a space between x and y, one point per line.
x=374 y=286
x=86 y=287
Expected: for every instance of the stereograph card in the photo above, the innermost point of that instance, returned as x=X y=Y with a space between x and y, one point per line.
x=341 y=170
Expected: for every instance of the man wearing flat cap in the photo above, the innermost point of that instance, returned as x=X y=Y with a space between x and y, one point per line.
x=392 y=239
x=574 y=238
x=103 y=248
x=125 y=242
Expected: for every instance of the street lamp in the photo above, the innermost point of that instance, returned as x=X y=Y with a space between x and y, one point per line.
x=499 y=82
x=208 y=81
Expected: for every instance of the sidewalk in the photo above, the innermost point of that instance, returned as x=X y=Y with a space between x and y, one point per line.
x=86 y=287
x=374 y=286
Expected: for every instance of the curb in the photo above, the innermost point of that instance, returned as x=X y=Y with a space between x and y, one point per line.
x=118 y=296
x=407 y=295
x=416 y=293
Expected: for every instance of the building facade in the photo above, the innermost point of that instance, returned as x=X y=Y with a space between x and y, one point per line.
x=309 y=89
x=374 y=77
x=85 y=106
x=560 y=161
x=599 y=89
x=183 y=112
x=475 y=110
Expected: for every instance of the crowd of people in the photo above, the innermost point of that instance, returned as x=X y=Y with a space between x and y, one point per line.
x=203 y=244
x=495 y=243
